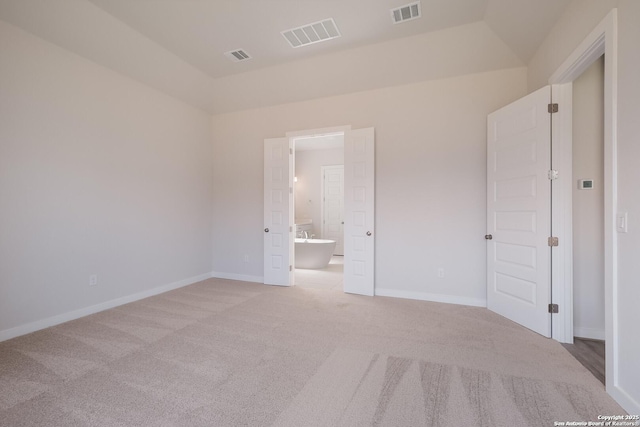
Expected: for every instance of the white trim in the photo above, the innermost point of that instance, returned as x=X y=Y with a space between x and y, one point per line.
x=604 y=40
x=589 y=333
x=319 y=131
x=76 y=314
x=591 y=48
x=625 y=400
x=239 y=277
x=423 y=296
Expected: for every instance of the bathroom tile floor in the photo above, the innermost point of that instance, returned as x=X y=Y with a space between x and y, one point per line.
x=325 y=278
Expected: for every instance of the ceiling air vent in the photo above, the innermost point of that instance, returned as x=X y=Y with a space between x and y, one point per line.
x=313 y=33
x=237 y=55
x=406 y=13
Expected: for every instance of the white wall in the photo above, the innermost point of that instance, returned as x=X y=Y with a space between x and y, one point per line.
x=430 y=179
x=573 y=26
x=308 y=197
x=576 y=22
x=98 y=175
x=588 y=205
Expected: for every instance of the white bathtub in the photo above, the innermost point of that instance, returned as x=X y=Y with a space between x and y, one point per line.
x=314 y=253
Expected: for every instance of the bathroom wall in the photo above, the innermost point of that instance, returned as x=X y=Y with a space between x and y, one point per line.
x=588 y=205
x=308 y=196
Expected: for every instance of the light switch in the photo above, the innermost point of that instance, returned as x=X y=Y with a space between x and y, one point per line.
x=621 y=222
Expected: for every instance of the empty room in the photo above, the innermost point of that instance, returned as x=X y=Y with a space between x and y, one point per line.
x=338 y=213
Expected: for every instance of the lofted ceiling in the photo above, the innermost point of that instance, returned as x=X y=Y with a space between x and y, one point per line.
x=178 y=46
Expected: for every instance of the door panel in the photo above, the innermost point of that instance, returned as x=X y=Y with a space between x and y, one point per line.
x=278 y=212
x=519 y=211
x=333 y=206
x=359 y=231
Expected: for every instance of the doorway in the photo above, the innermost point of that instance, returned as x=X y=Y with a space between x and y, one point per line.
x=359 y=209
x=318 y=193
x=601 y=41
x=588 y=220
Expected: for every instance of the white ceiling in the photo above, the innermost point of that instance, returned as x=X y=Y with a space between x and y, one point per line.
x=201 y=31
x=178 y=46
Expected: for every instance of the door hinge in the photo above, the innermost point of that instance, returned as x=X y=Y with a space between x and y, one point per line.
x=290 y=229
x=291 y=149
x=553 y=174
x=552 y=108
x=290 y=190
x=291 y=268
x=553 y=308
x=553 y=241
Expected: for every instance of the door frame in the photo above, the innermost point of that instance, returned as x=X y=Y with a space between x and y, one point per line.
x=603 y=40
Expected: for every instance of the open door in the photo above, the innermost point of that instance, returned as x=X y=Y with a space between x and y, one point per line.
x=359 y=230
x=278 y=212
x=519 y=211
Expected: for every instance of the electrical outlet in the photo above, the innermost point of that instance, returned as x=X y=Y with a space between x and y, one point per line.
x=441 y=273
x=93 y=280
x=246 y=258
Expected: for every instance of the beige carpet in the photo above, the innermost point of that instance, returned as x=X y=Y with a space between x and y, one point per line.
x=224 y=353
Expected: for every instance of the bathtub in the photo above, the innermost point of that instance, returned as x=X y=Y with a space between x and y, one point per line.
x=313 y=253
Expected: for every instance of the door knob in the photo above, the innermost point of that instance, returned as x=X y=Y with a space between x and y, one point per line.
x=368 y=233
x=488 y=236
x=266 y=230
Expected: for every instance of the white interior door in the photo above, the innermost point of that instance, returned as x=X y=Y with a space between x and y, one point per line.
x=278 y=212
x=519 y=211
x=333 y=206
x=359 y=232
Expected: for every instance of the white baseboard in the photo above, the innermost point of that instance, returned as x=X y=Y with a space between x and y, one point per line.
x=589 y=333
x=423 y=296
x=627 y=402
x=241 y=277
x=76 y=314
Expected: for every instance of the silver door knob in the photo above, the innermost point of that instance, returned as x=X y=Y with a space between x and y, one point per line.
x=368 y=233
x=266 y=230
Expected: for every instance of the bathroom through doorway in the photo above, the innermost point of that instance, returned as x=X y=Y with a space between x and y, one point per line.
x=359 y=210
x=318 y=194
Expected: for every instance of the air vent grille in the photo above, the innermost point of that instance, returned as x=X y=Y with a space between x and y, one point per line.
x=313 y=33
x=238 y=55
x=406 y=13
